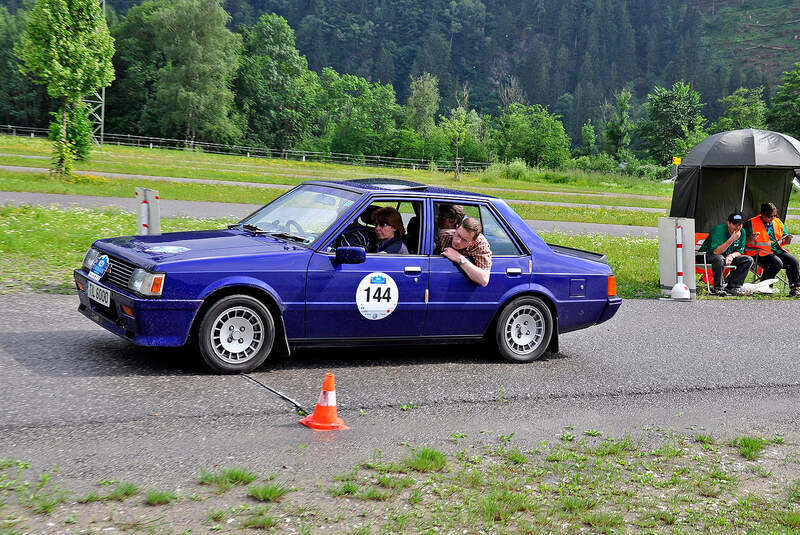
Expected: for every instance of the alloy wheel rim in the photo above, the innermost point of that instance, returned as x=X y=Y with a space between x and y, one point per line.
x=237 y=335
x=524 y=330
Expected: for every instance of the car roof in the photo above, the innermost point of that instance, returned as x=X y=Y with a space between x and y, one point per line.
x=396 y=185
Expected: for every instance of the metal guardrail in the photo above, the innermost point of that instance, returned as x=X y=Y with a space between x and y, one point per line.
x=262 y=152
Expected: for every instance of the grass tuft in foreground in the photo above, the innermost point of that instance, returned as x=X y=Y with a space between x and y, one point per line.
x=226 y=478
x=427 y=460
x=268 y=492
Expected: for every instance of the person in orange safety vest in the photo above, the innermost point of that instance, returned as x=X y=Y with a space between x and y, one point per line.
x=766 y=239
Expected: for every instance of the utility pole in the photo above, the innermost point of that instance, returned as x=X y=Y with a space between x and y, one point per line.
x=97 y=106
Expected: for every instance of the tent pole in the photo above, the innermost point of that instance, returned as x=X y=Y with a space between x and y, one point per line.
x=744 y=186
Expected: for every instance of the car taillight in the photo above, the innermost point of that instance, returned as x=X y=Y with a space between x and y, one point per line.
x=612 y=286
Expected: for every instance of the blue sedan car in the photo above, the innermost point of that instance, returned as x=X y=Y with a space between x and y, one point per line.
x=280 y=280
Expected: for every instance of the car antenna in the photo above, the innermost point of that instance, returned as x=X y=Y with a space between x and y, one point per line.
x=302 y=411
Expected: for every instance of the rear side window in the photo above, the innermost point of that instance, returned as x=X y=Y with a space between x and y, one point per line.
x=499 y=240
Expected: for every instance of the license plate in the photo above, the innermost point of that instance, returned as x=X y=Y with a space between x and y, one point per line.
x=99 y=294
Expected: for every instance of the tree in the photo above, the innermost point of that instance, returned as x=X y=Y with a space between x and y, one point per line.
x=21 y=101
x=617 y=135
x=533 y=134
x=672 y=116
x=785 y=113
x=275 y=91
x=456 y=127
x=744 y=108
x=192 y=94
x=358 y=117
x=589 y=138
x=423 y=102
x=67 y=47
x=137 y=63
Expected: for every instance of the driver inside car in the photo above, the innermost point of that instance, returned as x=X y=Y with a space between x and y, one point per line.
x=358 y=235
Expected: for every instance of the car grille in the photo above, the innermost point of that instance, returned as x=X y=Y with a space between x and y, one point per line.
x=119 y=272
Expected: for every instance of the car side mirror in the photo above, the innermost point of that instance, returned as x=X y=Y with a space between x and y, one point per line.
x=351 y=255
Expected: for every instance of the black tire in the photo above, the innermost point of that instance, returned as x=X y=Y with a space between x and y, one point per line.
x=243 y=316
x=524 y=329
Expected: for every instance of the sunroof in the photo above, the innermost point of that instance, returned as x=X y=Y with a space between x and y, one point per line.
x=389 y=183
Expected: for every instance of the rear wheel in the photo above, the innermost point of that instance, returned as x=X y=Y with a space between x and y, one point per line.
x=524 y=329
x=236 y=334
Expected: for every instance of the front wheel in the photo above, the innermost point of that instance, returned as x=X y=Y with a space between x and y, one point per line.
x=236 y=334
x=524 y=329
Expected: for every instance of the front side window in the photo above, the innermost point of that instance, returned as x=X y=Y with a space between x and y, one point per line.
x=304 y=213
x=385 y=226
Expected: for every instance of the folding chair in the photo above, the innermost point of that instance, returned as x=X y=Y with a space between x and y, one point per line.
x=704 y=268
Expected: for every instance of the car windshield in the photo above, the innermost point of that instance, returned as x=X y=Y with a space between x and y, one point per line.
x=302 y=214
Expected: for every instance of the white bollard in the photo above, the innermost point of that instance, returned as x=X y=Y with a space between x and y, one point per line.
x=148 y=213
x=680 y=290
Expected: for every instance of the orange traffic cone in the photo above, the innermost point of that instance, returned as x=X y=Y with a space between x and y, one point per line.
x=324 y=417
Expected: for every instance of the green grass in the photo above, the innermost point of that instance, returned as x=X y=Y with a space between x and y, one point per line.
x=594 y=485
x=122 y=491
x=40 y=246
x=159 y=497
x=794 y=491
x=578 y=214
x=576 y=504
x=749 y=447
x=371 y=493
x=396 y=483
x=501 y=505
x=226 y=478
x=111 y=187
x=260 y=520
x=268 y=492
x=348 y=488
x=427 y=460
x=187 y=164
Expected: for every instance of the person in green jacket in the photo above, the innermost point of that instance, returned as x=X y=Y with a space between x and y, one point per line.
x=724 y=246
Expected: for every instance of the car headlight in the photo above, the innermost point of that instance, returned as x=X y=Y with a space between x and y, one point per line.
x=145 y=283
x=91 y=256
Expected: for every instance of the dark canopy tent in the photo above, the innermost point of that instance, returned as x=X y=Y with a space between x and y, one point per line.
x=735 y=170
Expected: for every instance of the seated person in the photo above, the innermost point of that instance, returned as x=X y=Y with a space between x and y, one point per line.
x=767 y=238
x=449 y=217
x=724 y=246
x=468 y=249
x=390 y=231
x=356 y=235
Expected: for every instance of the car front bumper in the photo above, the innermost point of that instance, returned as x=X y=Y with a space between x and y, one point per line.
x=153 y=322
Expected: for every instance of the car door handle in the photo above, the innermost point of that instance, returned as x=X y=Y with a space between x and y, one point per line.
x=513 y=271
x=412 y=270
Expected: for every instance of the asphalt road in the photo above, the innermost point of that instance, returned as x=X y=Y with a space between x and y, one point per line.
x=77 y=397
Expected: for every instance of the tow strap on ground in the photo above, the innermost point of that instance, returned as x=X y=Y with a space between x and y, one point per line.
x=302 y=411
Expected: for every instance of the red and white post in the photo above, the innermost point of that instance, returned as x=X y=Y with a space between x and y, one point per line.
x=148 y=213
x=680 y=290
